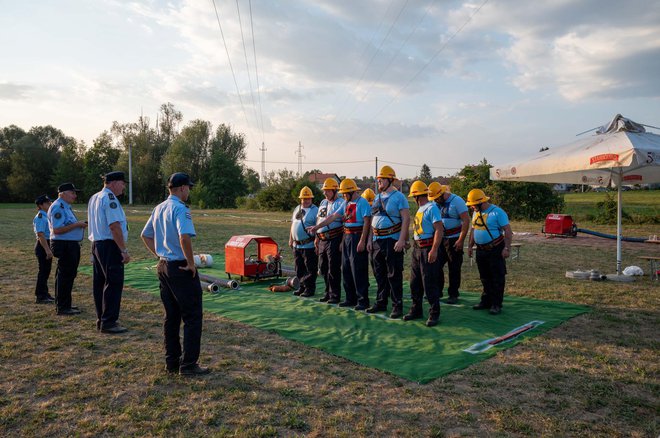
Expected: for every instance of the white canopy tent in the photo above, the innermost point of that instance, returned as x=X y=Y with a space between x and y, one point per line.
x=621 y=152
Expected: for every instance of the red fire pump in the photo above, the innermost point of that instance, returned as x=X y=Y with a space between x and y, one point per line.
x=264 y=264
x=559 y=225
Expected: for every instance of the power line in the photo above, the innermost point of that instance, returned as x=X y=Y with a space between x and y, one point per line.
x=256 y=75
x=420 y=71
x=231 y=67
x=247 y=65
x=375 y=53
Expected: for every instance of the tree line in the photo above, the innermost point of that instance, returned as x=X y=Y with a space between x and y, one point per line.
x=37 y=161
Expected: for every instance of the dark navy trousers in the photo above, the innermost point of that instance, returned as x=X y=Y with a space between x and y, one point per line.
x=108 y=282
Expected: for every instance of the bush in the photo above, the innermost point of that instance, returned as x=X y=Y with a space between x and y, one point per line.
x=607 y=211
x=247 y=203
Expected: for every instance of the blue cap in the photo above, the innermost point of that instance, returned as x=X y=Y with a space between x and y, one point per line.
x=114 y=176
x=67 y=186
x=179 y=179
x=41 y=199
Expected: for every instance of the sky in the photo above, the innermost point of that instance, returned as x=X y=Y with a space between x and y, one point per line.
x=446 y=83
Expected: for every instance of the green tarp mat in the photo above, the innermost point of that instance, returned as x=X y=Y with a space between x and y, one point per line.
x=407 y=349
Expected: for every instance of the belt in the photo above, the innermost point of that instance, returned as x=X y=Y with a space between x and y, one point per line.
x=492 y=244
x=451 y=231
x=388 y=231
x=303 y=242
x=424 y=243
x=331 y=234
x=352 y=230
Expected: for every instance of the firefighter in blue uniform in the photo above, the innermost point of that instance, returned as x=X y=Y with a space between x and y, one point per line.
x=66 y=233
x=108 y=232
x=424 y=273
x=456 y=222
x=42 y=250
x=302 y=242
x=168 y=235
x=391 y=219
x=492 y=234
x=328 y=240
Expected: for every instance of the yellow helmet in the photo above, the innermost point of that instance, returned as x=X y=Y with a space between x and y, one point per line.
x=436 y=190
x=347 y=186
x=305 y=193
x=386 y=172
x=369 y=195
x=418 y=188
x=476 y=196
x=330 y=184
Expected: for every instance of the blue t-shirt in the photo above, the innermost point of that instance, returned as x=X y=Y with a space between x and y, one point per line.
x=302 y=219
x=60 y=215
x=40 y=224
x=494 y=218
x=354 y=212
x=328 y=208
x=388 y=204
x=104 y=209
x=451 y=211
x=427 y=215
x=170 y=219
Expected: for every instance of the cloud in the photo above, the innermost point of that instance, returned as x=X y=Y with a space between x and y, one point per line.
x=13 y=91
x=588 y=49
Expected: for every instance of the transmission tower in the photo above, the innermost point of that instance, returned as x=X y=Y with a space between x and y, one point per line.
x=300 y=157
x=263 y=162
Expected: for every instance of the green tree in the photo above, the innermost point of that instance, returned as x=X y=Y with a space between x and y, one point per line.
x=251 y=177
x=69 y=167
x=99 y=160
x=520 y=200
x=147 y=153
x=168 y=121
x=277 y=195
x=425 y=174
x=8 y=136
x=31 y=168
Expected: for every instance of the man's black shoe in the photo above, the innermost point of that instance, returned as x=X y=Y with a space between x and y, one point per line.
x=360 y=307
x=45 y=300
x=495 y=310
x=346 y=304
x=376 y=309
x=452 y=300
x=68 y=312
x=297 y=292
x=432 y=321
x=324 y=299
x=114 y=330
x=194 y=370
x=307 y=294
x=396 y=313
x=333 y=301
x=480 y=306
x=411 y=316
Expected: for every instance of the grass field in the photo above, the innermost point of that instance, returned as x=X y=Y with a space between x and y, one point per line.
x=596 y=375
x=637 y=203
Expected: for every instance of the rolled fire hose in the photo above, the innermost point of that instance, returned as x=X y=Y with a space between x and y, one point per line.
x=203 y=260
x=229 y=284
x=211 y=287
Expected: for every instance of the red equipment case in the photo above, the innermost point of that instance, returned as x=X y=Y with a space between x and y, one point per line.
x=265 y=263
x=559 y=225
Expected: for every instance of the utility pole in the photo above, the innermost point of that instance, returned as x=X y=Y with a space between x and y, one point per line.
x=300 y=157
x=263 y=162
x=130 y=175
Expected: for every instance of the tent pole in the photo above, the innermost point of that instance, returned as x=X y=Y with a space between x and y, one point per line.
x=618 y=223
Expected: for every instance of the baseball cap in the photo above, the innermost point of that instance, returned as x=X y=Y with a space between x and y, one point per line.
x=179 y=179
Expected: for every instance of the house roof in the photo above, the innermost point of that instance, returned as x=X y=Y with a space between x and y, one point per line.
x=318 y=178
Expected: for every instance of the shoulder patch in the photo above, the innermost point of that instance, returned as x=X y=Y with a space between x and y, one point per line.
x=113 y=204
x=58 y=215
x=111 y=196
x=39 y=215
